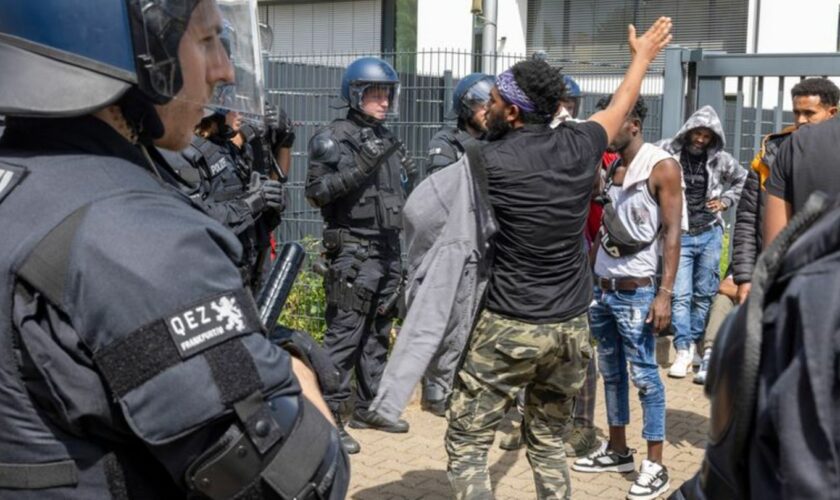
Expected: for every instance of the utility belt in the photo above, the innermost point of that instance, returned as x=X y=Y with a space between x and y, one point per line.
x=336 y=239
x=623 y=284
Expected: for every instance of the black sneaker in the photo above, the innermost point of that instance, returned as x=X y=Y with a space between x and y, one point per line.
x=605 y=460
x=364 y=419
x=651 y=482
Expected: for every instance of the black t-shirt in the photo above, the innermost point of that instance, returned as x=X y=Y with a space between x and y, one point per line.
x=811 y=152
x=540 y=182
x=696 y=178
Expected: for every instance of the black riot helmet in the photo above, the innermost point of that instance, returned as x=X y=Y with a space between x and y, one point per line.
x=73 y=57
x=368 y=73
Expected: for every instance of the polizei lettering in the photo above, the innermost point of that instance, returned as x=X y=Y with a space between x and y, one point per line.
x=208 y=324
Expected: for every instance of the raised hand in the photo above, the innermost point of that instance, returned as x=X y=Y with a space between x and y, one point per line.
x=652 y=42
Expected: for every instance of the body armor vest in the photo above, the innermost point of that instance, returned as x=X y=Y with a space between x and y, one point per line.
x=377 y=204
x=224 y=175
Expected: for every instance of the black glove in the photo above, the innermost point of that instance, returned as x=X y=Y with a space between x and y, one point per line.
x=264 y=194
x=275 y=197
x=407 y=160
x=249 y=131
x=279 y=130
x=303 y=346
x=371 y=150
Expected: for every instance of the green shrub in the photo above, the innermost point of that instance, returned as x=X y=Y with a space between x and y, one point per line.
x=305 y=307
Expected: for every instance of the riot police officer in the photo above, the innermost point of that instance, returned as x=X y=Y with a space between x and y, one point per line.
x=233 y=187
x=134 y=364
x=468 y=106
x=355 y=171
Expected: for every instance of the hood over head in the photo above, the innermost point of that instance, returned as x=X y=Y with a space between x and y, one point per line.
x=703 y=117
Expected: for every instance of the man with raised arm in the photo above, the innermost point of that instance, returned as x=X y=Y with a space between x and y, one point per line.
x=533 y=332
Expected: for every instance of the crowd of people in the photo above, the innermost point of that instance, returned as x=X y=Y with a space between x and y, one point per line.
x=501 y=312
x=542 y=249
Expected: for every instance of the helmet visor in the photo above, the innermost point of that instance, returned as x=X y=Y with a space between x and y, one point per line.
x=368 y=98
x=223 y=42
x=478 y=93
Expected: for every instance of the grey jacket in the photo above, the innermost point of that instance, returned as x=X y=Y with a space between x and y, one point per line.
x=448 y=224
x=726 y=176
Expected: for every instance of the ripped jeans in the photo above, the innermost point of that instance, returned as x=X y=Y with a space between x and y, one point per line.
x=617 y=320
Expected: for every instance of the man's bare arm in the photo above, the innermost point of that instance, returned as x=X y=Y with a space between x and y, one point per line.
x=643 y=50
x=309 y=387
x=666 y=179
x=776 y=217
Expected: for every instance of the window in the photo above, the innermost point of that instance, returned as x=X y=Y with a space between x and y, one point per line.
x=596 y=30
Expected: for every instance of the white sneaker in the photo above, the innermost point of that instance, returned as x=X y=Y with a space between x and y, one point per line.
x=696 y=360
x=651 y=482
x=700 y=376
x=682 y=364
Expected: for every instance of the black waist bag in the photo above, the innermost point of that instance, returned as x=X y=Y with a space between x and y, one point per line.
x=615 y=239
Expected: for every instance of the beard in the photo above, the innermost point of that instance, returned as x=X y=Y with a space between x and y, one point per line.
x=478 y=125
x=694 y=150
x=496 y=128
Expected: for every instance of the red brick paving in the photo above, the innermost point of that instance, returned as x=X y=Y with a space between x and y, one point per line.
x=413 y=466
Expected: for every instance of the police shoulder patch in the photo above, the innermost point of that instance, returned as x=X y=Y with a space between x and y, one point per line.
x=10 y=176
x=212 y=322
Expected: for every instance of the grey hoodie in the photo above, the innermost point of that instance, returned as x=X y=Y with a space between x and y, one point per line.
x=448 y=224
x=726 y=176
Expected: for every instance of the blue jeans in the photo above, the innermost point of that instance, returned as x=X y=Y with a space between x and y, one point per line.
x=698 y=278
x=618 y=325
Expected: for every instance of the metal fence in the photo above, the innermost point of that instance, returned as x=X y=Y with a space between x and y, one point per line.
x=307 y=87
x=750 y=92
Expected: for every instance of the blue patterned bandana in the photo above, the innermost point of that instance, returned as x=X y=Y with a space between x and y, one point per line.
x=510 y=91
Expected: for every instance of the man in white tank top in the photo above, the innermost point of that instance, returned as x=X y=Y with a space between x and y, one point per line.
x=629 y=310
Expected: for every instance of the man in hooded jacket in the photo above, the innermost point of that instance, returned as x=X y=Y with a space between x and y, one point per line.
x=713 y=183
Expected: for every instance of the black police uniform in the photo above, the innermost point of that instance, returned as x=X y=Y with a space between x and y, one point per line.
x=134 y=365
x=363 y=217
x=446 y=147
x=224 y=176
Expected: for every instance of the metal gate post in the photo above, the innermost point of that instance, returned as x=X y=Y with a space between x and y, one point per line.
x=673 y=93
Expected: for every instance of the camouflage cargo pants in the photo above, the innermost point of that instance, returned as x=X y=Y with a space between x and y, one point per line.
x=505 y=355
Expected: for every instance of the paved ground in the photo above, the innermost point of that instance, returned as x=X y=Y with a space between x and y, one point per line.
x=413 y=465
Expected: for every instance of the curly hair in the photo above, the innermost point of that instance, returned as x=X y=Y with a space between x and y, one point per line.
x=639 y=111
x=543 y=85
x=828 y=93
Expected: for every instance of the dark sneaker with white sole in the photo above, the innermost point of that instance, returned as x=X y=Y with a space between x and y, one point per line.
x=605 y=460
x=652 y=482
x=364 y=419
